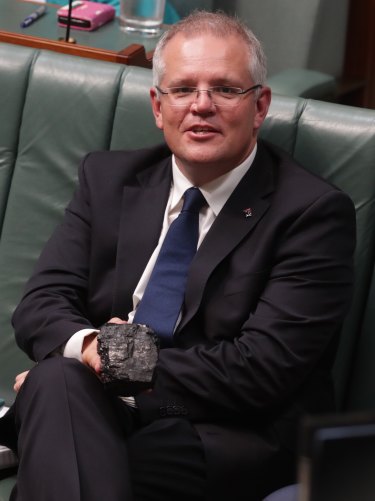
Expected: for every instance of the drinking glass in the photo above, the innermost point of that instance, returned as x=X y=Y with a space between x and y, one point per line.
x=144 y=16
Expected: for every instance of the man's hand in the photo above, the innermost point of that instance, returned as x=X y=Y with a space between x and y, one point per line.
x=116 y=320
x=90 y=356
x=20 y=378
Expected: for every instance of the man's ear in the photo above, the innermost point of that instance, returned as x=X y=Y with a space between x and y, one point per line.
x=156 y=108
x=262 y=105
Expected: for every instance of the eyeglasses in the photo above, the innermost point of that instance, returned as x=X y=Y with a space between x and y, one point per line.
x=221 y=95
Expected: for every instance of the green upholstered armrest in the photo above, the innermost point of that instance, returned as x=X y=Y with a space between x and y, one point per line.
x=303 y=83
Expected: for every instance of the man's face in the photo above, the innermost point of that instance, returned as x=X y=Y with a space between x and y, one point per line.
x=208 y=140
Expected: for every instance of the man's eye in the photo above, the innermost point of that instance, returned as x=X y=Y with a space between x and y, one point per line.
x=180 y=91
x=226 y=91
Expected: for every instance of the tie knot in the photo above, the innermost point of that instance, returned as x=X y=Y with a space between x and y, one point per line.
x=193 y=200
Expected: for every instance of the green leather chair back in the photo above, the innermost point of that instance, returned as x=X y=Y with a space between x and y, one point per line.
x=14 y=73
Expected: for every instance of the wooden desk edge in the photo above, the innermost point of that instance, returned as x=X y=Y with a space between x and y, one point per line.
x=133 y=55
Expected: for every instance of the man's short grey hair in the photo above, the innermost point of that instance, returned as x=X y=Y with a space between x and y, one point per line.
x=218 y=24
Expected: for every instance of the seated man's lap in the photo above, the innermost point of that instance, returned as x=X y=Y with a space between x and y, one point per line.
x=165 y=457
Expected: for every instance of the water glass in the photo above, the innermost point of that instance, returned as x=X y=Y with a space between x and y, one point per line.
x=144 y=16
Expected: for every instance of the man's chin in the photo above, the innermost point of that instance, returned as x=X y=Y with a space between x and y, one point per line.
x=203 y=155
x=201 y=162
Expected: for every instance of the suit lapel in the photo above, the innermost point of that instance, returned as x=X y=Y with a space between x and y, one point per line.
x=243 y=210
x=142 y=212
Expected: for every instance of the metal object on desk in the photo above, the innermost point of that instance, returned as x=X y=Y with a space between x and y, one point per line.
x=67 y=38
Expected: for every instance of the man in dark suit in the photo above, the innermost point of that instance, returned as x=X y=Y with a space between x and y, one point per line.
x=256 y=336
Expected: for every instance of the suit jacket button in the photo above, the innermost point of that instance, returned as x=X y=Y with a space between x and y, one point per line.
x=176 y=410
x=163 y=411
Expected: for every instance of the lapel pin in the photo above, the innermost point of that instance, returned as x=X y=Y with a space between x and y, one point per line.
x=248 y=212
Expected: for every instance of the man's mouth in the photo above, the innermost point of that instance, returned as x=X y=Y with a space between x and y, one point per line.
x=202 y=129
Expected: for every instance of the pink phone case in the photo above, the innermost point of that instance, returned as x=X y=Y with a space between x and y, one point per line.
x=86 y=16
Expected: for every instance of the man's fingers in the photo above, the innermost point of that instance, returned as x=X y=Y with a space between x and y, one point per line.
x=90 y=356
x=117 y=320
x=20 y=378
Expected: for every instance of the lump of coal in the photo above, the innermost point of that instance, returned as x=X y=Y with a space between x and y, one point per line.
x=128 y=353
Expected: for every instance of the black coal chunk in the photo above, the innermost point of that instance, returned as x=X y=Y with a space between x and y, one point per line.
x=128 y=353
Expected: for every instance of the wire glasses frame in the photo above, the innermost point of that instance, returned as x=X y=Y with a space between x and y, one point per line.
x=221 y=95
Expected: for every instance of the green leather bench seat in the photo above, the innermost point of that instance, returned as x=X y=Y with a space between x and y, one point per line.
x=56 y=108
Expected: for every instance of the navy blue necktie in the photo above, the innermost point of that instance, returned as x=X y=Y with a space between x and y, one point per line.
x=164 y=294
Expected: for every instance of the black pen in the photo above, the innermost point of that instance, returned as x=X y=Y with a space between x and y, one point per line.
x=33 y=16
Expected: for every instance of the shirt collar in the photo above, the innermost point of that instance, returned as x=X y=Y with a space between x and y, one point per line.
x=215 y=192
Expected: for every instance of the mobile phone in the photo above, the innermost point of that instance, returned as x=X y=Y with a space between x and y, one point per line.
x=86 y=15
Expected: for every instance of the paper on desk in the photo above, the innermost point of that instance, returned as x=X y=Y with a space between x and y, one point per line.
x=7 y=457
x=3 y=410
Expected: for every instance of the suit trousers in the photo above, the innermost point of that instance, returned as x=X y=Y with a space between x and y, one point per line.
x=78 y=442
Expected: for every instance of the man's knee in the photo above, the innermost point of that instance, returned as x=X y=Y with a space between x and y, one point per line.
x=55 y=385
x=51 y=371
x=50 y=378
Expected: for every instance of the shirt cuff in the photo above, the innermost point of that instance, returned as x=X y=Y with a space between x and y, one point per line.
x=73 y=348
x=130 y=401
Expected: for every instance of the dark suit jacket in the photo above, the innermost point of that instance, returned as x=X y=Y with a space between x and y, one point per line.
x=265 y=299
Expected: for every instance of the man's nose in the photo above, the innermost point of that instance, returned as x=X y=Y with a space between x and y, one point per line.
x=203 y=101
